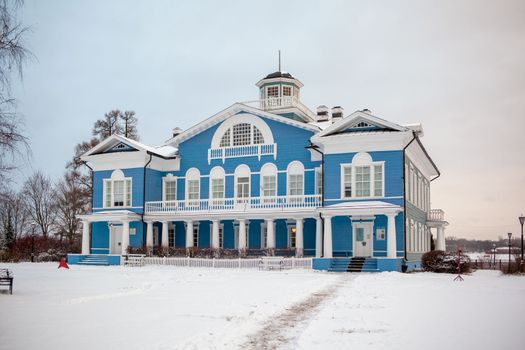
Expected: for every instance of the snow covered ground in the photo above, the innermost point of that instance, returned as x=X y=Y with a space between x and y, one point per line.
x=163 y=307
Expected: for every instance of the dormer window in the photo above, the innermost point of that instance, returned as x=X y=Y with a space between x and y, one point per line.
x=362 y=125
x=242 y=134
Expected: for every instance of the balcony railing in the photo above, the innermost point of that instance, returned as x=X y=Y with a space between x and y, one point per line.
x=264 y=149
x=274 y=103
x=234 y=204
x=436 y=215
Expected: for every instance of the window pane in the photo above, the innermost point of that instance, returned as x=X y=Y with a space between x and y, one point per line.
x=243 y=187
x=362 y=181
x=378 y=180
x=128 y=193
x=193 y=189
x=241 y=134
x=225 y=140
x=287 y=91
x=347 y=181
x=217 y=191
x=319 y=182
x=108 y=194
x=296 y=185
x=273 y=91
x=170 y=190
x=269 y=186
x=257 y=136
x=118 y=193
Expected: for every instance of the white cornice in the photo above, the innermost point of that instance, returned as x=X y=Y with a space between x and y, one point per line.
x=364 y=142
x=420 y=159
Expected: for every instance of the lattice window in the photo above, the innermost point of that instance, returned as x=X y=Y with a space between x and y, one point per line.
x=241 y=134
x=287 y=91
x=226 y=139
x=269 y=186
x=272 y=91
x=362 y=181
x=296 y=185
x=378 y=180
x=170 y=190
x=217 y=188
x=257 y=136
x=193 y=189
x=347 y=181
x=243 y=187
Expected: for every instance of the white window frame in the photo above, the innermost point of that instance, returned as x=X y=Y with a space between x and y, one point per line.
x=372 y=180
x=268 y=170
x=117 y=175
x=242 y=170
x=319 y=178
x=165 y=179
x=295 y=168
x=382 y=231
x=217 y=173
x=193 y=174
x=278 y=91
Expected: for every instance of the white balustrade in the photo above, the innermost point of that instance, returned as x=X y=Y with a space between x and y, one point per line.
x=238 y=204
x=250 y=263
x=436 y=215
x=263 y=149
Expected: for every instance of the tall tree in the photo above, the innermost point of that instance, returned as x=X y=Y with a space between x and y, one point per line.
x=12 y=57
x=71 y=200
x=130 y=125
x=76 y=165
x=13 y=207
x=109 y=125
x=39 y=197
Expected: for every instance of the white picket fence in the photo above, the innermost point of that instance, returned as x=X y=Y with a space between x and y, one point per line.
x=290 y=263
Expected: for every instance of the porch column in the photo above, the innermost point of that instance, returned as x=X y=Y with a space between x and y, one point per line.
x=440 y=244
x=189 y=234
x=327 y=236
x=242 y=234
x=215 y=244
x=149 y=234
x=299 y=238
x=391 y=248
x=164 y=238
x=125 y=237
x=270 y=234
x=318 y=237
x=85 y=237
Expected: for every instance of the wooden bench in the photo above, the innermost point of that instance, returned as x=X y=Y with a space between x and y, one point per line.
x=271 y=263
x=6 y=279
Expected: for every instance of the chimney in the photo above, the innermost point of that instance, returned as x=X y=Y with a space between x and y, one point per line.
x=176 y=131
x=337 y=113
x=322 y=113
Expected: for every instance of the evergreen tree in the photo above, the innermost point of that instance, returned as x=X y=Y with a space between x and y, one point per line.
x=9 y=234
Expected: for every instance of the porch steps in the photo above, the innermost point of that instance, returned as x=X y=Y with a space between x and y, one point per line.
x=353 y=265
x=94 y=260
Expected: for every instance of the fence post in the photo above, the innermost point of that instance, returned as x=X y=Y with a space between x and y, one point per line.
x=188 y=261
x=239 y=262
x=293 y=262
x=213 y=262
x=500 y=264
x=164 y=260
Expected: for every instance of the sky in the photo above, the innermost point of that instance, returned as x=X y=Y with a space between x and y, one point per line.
x=457 y=67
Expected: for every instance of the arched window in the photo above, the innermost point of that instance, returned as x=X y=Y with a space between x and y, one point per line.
x=193 y=184
x=269 y=180
x=241 y=130
x=117 y=190
x=242 y=183
x=242 y=134
x=217 y=183
x=295 y=173
x=362 y=178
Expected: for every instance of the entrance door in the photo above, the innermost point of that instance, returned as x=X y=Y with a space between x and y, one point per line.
x=115 y=240
x=362 y=240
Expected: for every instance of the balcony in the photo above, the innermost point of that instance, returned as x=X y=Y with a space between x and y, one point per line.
x=264 y=149
x=283 y=102
x=436 y=215
x=251 y=204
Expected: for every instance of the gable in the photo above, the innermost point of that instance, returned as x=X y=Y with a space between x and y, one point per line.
x=364 y=125
x=120 y=147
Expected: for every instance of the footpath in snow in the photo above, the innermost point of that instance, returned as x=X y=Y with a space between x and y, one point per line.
x=163 y=307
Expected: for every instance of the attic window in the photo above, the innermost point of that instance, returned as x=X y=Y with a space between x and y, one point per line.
x=242 y=134
x=362 y=125
x=121 y=146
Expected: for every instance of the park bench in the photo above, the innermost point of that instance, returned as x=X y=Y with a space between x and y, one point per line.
x=6 y=279
x=271 y=263
x=134 y=260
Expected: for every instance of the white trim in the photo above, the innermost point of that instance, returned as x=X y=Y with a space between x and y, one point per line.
x=294 y=168
x=217 y=172
x=192 y=174
x=251 y=119
x=242 y=170
x=117 y=175
x=361 y=159
x=268 y=169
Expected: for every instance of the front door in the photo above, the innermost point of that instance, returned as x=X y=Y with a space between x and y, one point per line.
x=115 y=245
x=362 y=240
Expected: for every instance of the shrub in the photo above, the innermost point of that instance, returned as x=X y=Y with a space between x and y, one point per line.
x=443 y=262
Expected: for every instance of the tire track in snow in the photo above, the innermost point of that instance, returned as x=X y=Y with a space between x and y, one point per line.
x=277 y=331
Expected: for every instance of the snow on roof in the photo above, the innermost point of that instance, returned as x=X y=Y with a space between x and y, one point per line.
x=321 y=125
x=162 y=150
x=363 y=204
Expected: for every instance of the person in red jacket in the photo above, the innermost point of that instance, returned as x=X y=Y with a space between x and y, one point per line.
x=63 y=263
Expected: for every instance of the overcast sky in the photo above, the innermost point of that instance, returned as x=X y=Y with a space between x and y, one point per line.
x=458 y=67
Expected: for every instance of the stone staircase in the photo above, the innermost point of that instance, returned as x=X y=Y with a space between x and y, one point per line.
x=94 y=260
x=353 y=265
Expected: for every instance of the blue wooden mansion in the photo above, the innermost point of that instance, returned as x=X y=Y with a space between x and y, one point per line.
x=270 y=174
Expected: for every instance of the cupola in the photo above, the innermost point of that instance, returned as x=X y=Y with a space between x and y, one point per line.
x=279 y=85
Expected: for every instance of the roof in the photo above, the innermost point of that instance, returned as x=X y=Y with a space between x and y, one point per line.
x=279 y=74
x=162 y=150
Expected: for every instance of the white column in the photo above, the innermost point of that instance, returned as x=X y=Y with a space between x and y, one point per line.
x=242 y=234
x=149 y=234
x=440 y=244
x=125 y=237
x=391 y=248
x=164 y=239
x=270 y=234
x=85 y=237
x=215 y=234
x=189 y=234
x=318 y=237
x=299 y=238
x=327 y=237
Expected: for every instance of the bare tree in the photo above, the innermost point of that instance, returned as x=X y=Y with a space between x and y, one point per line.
x=12 y=57
x=109 y=125
x=39 y=197
x=71 y=200
x=76 y=165
x=13 y=211
x=130 y=125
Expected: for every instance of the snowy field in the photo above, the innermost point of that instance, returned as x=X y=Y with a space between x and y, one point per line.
x=162 y=307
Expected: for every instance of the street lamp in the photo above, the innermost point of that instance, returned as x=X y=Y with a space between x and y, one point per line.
x=33 y=242
x=522 y=221
x=510 y=235
x=494 y=251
